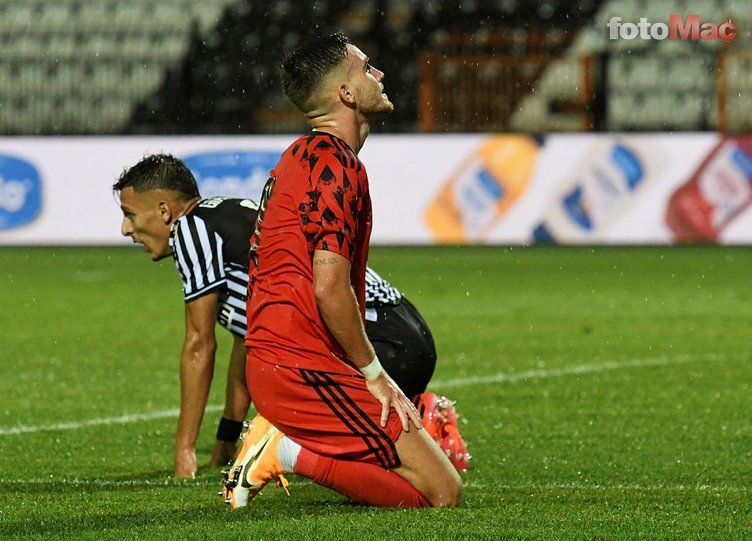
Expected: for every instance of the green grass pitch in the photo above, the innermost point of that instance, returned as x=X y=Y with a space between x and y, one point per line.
x=605 y=393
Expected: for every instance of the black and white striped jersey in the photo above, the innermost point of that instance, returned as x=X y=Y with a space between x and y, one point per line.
x=379 y=292
x=210 y=248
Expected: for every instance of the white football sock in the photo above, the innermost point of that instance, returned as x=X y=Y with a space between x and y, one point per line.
x=288 y=454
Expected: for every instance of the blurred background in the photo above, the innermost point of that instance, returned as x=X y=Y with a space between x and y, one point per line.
x=99 y=67
x=536 y=125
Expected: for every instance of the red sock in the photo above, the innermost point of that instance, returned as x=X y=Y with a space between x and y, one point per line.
x=362 y=482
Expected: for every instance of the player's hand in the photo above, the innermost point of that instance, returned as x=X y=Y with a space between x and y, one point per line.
x=389 y=394
x=222 y=453
x=185 y=463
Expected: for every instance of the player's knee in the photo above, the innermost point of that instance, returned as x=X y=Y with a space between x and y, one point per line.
x=455 y=492
x=449 y=493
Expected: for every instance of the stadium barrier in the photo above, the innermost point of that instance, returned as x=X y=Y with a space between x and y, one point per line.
x=507 y=189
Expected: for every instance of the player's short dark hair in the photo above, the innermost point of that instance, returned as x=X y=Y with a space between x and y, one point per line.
x=303 y=69
x=159 y=171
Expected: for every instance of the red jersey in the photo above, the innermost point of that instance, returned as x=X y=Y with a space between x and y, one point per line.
x=317 y=198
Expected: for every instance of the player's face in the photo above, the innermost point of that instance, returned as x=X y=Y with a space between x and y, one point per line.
x=145 y=222
x=370 y=97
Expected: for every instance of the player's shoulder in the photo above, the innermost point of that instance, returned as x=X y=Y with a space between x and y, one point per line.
x=214 y=213
x=213 y=208
x=325 y=149
x=212 y=204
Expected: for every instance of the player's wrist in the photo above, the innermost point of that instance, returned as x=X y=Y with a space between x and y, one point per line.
x=372 y=370
x=229 y=430
x=182 y=453
x=184 y=444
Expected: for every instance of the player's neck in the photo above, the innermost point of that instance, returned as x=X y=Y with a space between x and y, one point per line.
x=351 y=131
x=189 y=205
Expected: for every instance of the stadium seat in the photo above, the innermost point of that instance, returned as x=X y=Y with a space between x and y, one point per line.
x=647 y=72
x=621 y=110
x=685 y=70
x=563 y=80
x=113 y=36
x=55 y=40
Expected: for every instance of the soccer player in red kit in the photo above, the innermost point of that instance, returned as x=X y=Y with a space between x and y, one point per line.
x=328 y=411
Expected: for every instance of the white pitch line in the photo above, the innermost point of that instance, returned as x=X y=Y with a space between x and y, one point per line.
x=500 y=377
x=120 y=420
x=514 y=377
x=78 y=482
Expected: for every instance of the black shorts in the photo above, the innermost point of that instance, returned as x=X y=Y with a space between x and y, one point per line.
x=404 y=344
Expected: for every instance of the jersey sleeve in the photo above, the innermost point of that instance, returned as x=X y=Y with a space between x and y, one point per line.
x=329 y=212
x=197 y=252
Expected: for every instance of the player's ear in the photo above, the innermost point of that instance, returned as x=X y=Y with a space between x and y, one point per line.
x=345 y=95
x=165 y=212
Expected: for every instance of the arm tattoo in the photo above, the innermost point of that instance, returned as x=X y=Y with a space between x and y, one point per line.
x=324 y=261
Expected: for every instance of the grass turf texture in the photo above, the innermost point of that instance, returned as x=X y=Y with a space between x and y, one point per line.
x=606 y=393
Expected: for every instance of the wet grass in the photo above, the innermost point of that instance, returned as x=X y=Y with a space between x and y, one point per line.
x=605 y=394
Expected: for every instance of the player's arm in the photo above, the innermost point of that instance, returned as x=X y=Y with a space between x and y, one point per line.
x=237 y=402
x=338 y=305
x=196 y=371
x=238 y=399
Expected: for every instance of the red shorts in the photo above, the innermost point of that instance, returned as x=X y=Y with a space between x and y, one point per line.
x=329 y=414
